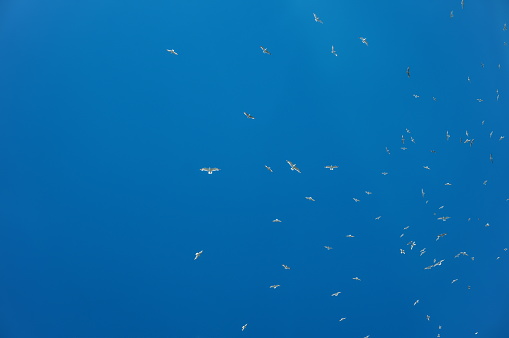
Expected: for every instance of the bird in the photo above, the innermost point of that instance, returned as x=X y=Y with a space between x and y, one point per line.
x=448 y=183
x=451 y=15
x=249 y=116
x=491 y=133
x=412 y=139
x=385 y=173
x=438 y=237
x=408 y=226
x=433 y=151
x=402 y=139
x=356 y=278
x=210 y=170
x=276 y=221
x=244 y=327
x=268 y=168
x=401 y=251
x=505 y=27
x=356 y=200
x=415 y=95
x=447 y=135
x=501 y=138
x=368 y=192
x=416 y=302
x=197 y=255
x=377 y=218
x=328 y=247
x=350 y=236
x=423 y=251
x=172 y=51
x=342 y=319
x=428 y=317
x=454 y=281
x=331 y=167
x=403 y=148
x=333 y=51
x=265 y=51
x=485 y=182
x=286 y=267
x=407 y=130
x=434 y=99
x=310 y=198
x=468 y=79
x=274 y=286
x=364 y=41
x=479 y=100
x=408 y=72
x=491 y=158
x=317 y=19
x=422 y=193
x=462 y=4
x=387 y=150
x=336 y=294
x=293 y=166
x=444 y=218
x=426 y=167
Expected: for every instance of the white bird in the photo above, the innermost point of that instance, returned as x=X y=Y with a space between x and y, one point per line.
x=447 y=183
x=422 y=193
x=244 y=327
x=356 y=278
x=336 y=294
x=501 y=138
x=415 y=95
x=385 y=173
x=210 y=170
x=387 y=150
x=444 y=218
x=249 y=116
x=198 y=254
x=377 y=218
x=350 y=236
x=172 y=51
x=317 y=19
x=416 y=302
x=428 y=317
x=265 y=51
x=274 y=286
x=505 y=27
x=328 y=247
x=342 y=319
x=454 y=281
x=333 y=51
x=426 y=167
x=447 y=135
x=293 y=166
x=331 y=167
x=462 y=4
x=451 y=15
x=356 y=200
x=268 y=168
x=276 y=221
x=364 y=41
x=286 y=267
x=401 y=251
x=438 y=237
x=408 y=131
x=368 y=192
x=310 y=198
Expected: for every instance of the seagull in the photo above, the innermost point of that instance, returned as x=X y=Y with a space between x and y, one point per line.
x=377 y=218
x=172 y=51
x=342 y=319
x=501 y=138
x=356 y=200
x=356 y=278
x=491 y=158
x=408 y=131
x=333 y=51
x=444 y=218
x=210 y=170
x=423 y=251
x=415 y=95
x=428 y=317
x=447 y=135
x=416 y=302
x=403 y=148
x=244 y=327
x=293 y=166
x=364 y=41
x=336 y=294
x=426 y=167
x=482 y=65
x=451 y=15
x=385 y=173
x=454 y=280
x=441 y=207
x=401 y=251
x=310 y=198
x=328 y=247
x=198 y=254
x=368 y=192
x=422 y=193
x=268 y=168
x=350 y=236
x=286 y=267
x=434 y=99
x=447 y=183
x=438 y=237
x=491 y=134
x=249 y=116
x=331 y=167
x=462 y=4
x=317 y=19
x=468 y=79
x=402 y=139
x=433 y=151
x=479 y=100
x=485 y=182
x=412 y=139
x=276 y=221
x=265 y=51
x=505 y=27
x=408 y=72
x=408 y=226
x=274 y=286
x=387 y=150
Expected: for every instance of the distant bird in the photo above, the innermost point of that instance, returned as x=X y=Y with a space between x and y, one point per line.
x=408 y=72
x=276 y=221
x=197 y=255
x=491 y=158
x=210 y=170
x=249 y=116
x=317 y=19
x=274 y=286
x=385 y=173
x=501 y=138
x=426 y=167
x=433 y=151
x=401 y=251
x=265 y=51
x=377 y=218
x=447 y=184
x=444 y=218
x=244 y=327
x=268 y=168
x=451 y=15
x=331 y=167
x=350 y=236
x=402 y=139
x=505 y=27
x=364 y=41
x=328 y=247
x=356 y=278
x=412 y=139
x=462 y=4
x=434 y=98
x=416 y=302
x=333 y=51
x=447 y=136
x=368 y=192
x=172 y=51
x=342 y=319
x=438 y=237
x=387 y=150
x=286 y=267
x=482 y=65
x=422 y=193
x=454 y=281
x=336 y=294
x=485 y=182
x=407 y=130
x=356 y=200
x=479 y=100
x=293 y=166
x=415 y=95
x=309 y=198
x=468 y=79
x=428 y=317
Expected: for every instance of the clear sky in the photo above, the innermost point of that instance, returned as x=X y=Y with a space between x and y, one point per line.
x=103 y=133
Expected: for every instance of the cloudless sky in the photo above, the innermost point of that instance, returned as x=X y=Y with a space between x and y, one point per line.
x=103 y=133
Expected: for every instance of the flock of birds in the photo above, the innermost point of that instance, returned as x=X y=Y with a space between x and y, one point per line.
x=411 y=244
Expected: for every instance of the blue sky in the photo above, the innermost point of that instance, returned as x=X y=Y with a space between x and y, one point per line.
x=103 y=133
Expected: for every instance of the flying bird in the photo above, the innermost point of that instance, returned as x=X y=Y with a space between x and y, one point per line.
x=249 y=116
x=356 y=278
x=286 y=267
x=342 y=319
x=274 y=286
x=244 y=327
x=491 y=158
x=309 y=198
x=333 y=51
x=462 y=4
x=293 y=166
x=331 y=167
x=328 y=247
x=172 y=51
x=210 y=170
x=364 y=41
x=265 y=51
x=268 y=168
x=276 y=221
x=408 y=72
x=444 y=218
x=317 y=19
x=447 y=135
x=197 y=255
x=451 y=15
